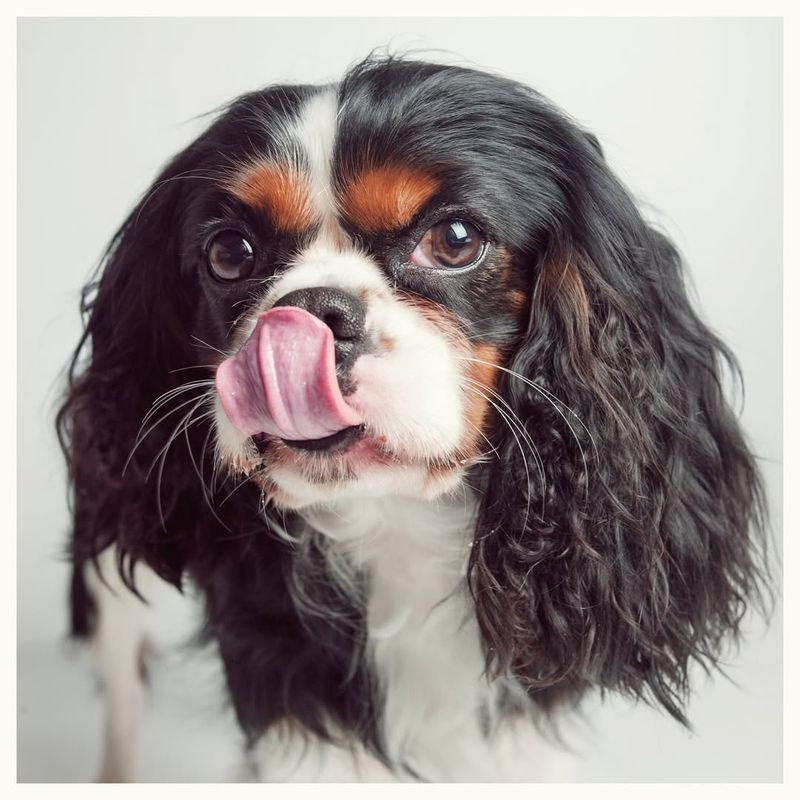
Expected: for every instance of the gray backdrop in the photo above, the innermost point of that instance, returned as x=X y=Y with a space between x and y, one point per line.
x=689 y=114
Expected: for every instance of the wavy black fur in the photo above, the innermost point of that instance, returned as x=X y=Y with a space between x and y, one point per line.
x=635 y=556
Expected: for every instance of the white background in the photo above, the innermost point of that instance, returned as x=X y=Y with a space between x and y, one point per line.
x=689 y=114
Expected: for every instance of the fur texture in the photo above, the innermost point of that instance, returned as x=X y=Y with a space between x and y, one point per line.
x=581 y=479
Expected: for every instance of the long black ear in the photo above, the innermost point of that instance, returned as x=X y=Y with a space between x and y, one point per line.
x=636 y=548
x=135 y=335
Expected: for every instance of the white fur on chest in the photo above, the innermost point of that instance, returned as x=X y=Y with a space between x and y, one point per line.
x=425 y=647
x=422 y=632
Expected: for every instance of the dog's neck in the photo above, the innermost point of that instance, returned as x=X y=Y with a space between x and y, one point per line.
x=423 y=638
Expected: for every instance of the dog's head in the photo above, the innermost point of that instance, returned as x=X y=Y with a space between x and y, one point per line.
x=366 y=269
x=421 y=279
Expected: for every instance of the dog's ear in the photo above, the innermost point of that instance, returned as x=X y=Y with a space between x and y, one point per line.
x=631 y=549
x=136 y=316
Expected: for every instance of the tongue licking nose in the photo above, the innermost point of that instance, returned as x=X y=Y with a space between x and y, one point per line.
x=283 y=379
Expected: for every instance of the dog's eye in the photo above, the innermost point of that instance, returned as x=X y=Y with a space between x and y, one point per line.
x=449 y=244
x=230 y=256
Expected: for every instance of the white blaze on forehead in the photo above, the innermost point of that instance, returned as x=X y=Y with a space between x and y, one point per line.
x=314 y=132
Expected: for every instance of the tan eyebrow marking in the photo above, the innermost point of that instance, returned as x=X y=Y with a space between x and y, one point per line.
x=280 y=190
x=386 y=198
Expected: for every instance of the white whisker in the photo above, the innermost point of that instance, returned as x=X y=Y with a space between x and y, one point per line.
x=552 y=399
x=522 y=453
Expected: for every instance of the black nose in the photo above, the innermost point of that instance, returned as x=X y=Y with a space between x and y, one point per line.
x=343 y=313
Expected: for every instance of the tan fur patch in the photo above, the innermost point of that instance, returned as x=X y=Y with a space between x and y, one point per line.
x=561 y=287
x=481 y=373
x=386 y=198
x=279 y=190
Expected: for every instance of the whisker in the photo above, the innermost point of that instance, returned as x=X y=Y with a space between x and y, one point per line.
x=215 y=469
x=236 y=489
x=527 y=438
x=203 y=453
x=198 y=471
x=175 y=432
x=480 y=433
x=522 y=453
x=510 y=411
x=209 y=346
x=172 y=393
x=552 y=400
x=196 y=366
x=161 y=458
x=142 y=435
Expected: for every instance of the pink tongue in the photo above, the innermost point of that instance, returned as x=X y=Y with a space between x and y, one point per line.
x=283 y=379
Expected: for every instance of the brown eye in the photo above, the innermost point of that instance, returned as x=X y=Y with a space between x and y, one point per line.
x=230 y=256
x=450 y=244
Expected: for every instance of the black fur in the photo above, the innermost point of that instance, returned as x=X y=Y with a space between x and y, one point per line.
x=633 y=557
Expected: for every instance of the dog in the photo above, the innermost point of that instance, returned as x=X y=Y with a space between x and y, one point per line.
x=395 y=373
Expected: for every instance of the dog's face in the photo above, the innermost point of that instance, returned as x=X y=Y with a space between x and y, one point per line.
x=365 y=275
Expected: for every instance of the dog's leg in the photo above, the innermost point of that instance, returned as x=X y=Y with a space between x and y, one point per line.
x=118 y=644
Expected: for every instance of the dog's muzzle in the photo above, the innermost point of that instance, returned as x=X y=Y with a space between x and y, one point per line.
x=287 y=379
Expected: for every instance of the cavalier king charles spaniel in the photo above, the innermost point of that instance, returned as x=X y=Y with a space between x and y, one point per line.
x=396 y=375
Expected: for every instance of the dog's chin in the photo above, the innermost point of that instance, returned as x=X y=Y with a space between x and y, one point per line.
x=351 y=464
